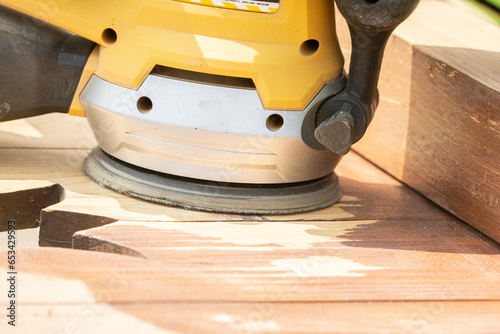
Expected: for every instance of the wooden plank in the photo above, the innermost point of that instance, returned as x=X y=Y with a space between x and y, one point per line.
x=290 y=262
x=384 y=277
x=368 y=193
x=47 y=131
x=313 y=261
x=437 y=128
x=420 y=317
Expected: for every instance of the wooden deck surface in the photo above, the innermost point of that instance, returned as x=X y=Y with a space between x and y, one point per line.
x=383 y=260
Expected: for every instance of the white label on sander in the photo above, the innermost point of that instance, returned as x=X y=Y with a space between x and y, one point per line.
x=260 y=6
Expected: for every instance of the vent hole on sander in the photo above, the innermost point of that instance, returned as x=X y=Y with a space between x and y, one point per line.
x=309 y=47
x=274 y=122
x=371 y=2
x=144 y=104
x=109 y=36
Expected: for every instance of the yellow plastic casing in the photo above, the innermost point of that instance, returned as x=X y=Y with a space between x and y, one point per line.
x=289 y=54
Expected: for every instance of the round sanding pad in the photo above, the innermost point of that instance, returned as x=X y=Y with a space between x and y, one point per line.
x=211 y=195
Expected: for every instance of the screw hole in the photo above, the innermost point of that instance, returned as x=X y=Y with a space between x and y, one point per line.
x=144 y=104
x=274 y=122
x=309 y=47
x=109 y=36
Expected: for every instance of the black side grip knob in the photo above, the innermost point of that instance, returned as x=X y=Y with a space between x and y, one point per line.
x=336 y=132
x=371 y=22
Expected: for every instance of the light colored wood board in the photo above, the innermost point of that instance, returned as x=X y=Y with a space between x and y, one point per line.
x=48 y=131
x=420 y=317
x=24 y=168
x=369 y=193
x=25 y=238
x=35 y=168
x=437 y=127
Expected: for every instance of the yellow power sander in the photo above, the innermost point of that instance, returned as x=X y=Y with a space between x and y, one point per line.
x=222 y=105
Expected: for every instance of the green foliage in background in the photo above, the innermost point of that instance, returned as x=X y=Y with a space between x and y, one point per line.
x=495 y=3
x=482 y=5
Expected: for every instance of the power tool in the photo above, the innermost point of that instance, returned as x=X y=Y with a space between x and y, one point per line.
x=237 y=106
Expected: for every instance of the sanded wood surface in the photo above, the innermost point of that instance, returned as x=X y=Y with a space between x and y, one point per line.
x=91 y=204
x=438 y=124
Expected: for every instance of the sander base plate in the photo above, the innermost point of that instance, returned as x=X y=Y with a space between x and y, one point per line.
x=211 y=196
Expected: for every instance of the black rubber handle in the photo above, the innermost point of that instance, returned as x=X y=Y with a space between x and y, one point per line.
x=40 y=66
x=342 y=119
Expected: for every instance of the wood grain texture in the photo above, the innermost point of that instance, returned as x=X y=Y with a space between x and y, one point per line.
x=213 y=278
x=310 y=261
x=437 y=128
x=362 y=318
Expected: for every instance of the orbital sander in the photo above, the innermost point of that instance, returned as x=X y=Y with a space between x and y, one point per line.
x=235 y=106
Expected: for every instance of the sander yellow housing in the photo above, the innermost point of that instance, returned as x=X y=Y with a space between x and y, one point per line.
x=221 y=105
